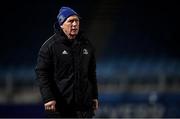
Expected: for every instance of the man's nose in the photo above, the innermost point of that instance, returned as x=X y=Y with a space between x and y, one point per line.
x=74 y=23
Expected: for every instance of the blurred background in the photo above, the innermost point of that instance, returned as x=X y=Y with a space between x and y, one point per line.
x=137 y=50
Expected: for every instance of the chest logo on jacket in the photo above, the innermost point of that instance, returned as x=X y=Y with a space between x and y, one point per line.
x=85 y=51
x=64 y=52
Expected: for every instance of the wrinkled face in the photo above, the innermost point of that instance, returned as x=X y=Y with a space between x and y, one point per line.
x=71 y=26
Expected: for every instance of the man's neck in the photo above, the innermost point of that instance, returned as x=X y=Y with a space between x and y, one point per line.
x=71 y=37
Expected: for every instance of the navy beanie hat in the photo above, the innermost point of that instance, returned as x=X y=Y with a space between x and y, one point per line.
x=64 y=13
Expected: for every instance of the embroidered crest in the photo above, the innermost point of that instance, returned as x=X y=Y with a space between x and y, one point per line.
x=85 y=51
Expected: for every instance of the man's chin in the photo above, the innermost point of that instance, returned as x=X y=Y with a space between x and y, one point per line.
x=74 y=34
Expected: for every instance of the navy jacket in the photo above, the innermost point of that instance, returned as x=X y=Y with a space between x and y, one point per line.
x=66 y=71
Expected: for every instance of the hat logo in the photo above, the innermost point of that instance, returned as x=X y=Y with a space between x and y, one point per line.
x=61 y=18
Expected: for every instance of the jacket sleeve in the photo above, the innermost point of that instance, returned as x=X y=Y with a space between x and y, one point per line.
x=92 y=75
x=44 y=73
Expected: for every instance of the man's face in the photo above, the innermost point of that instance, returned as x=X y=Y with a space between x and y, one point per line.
x=71 y=26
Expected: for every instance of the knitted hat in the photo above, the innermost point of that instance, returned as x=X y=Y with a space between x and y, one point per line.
x=64 y=13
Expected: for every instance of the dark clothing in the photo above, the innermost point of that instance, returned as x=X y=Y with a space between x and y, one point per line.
x=66 y=72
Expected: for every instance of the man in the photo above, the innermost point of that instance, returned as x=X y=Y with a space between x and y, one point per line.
x=66 y=70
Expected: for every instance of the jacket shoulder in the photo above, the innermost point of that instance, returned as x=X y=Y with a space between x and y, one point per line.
x=85 y=40
x=88 y=42
x=49 y=42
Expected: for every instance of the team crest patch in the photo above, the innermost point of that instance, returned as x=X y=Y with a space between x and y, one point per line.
x=85 y=51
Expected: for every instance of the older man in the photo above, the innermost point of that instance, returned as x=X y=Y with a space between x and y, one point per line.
x=66 y=70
